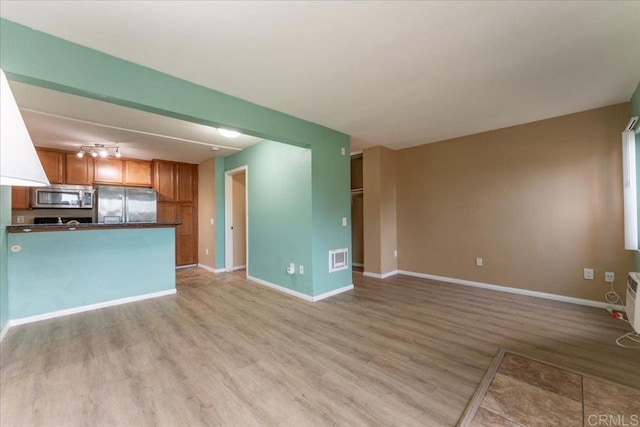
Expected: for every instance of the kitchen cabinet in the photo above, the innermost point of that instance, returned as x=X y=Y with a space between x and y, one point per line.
x=78 y=171
x=108 y=171
x=166 y=212
x=164 y=180
x=186 y=238
x=175 y=182
x=186 y=178
x=177 y=188
x=20 y=198
x=137 y=172
x=53 y=164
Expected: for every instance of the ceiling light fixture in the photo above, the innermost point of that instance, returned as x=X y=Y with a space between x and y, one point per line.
x=228 y=133
x=101 y=150
x=19 y=163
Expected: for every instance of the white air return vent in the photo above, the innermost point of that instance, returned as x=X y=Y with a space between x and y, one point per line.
x=338 y=260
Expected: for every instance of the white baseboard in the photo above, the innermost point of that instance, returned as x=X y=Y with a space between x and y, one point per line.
x=357 y=264
x=380 y=276
x=554 y=297
x=239 y=267
x=300 y=294
x=68 y=311
x=333 y=292
x=211 y=269
x=281 y=288
x=206 y=267
x=4 y=331
x=181 y=267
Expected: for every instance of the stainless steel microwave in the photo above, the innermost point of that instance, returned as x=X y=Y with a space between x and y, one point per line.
x=62 y=196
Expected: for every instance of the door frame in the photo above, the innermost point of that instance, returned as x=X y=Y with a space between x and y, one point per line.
x=228 y=216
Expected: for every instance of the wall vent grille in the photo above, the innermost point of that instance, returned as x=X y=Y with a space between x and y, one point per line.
x=338 y=260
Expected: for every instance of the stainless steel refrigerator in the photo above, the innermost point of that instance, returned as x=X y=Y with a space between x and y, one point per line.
x=126 y=204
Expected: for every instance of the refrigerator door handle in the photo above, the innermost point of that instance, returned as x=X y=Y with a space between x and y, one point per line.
x=125 y=213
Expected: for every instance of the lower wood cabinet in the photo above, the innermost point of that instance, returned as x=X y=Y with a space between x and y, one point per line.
x=186 y=232
x=186 y=237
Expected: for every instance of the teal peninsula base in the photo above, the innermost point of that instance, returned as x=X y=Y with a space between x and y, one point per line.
x=61 y=272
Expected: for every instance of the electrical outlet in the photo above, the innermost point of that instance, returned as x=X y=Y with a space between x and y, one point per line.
x=301 y=269
x=343 y=151
x=395 y=253
x=291 y=269
x=344 y=221
x=479 y=262
x=609 y=276
x=20 y=219
x=588 y=273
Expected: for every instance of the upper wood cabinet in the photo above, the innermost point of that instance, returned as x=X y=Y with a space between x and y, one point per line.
x=78 y=171
x=186 y=182
x=108 y=171
x=137 y=172
x=52 y=163
x=20 y=198
x=164 y=180
x=175 y=182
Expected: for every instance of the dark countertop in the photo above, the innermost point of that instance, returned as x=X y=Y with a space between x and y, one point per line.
x=36 y=228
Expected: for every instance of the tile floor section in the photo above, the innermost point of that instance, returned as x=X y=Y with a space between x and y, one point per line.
x=525 y=392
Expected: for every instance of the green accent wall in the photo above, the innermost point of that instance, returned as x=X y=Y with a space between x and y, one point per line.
x=56 y=271
x=279 y=210
x=5 y=219
x=331 y=175
x=40 y=59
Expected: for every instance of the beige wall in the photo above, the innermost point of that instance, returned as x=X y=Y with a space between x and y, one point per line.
x=538 y=202
x=239 y=220
x=379 y=179
x=206 y=212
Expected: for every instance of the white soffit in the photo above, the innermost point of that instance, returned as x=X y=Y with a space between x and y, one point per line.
x=392 y=73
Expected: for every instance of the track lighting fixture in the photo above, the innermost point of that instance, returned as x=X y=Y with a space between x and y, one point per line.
x=101 y=150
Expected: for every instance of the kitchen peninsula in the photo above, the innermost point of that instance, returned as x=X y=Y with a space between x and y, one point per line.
x=100 y=265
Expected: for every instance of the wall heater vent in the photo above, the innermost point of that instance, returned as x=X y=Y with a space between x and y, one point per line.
x=338 y=260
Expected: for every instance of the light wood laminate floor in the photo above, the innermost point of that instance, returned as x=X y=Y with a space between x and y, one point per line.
x=225 y=351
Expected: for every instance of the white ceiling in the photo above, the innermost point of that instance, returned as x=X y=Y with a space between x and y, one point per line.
x=391 y=73
x=59 y=120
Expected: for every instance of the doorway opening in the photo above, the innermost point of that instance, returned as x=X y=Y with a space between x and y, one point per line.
x=236 y=220
x=357 y=213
